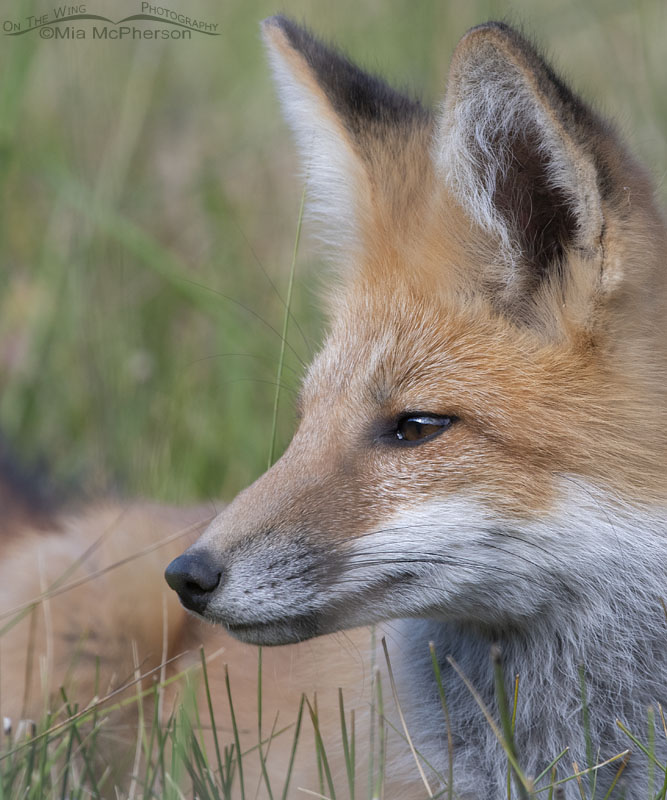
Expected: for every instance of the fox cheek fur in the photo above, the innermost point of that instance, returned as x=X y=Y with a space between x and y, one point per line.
x=501 y=276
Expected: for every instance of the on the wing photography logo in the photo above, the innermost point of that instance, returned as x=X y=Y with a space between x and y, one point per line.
x=68 y=22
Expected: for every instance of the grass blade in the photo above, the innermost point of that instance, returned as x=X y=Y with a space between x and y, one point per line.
x=297 y=731
x=445 y=708
x=283 y=339
x=506 y=719
x=262 y=760
x=641 y=746
x=211 y=714
x=348 y=744
x=321 y=753
x=394 y=691
x=551 y=767
x=491 y=721
x=237 y=740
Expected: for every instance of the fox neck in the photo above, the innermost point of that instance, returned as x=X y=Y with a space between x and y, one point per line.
x=606 y=627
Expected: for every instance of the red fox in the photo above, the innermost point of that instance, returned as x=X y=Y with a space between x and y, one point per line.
x=481 y=448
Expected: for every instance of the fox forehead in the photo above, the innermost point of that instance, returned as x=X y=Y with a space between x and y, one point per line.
x=397 y=350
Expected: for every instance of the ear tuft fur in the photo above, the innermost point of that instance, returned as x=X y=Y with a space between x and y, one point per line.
x=514 y=149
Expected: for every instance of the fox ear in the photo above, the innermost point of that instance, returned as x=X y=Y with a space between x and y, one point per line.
x=520 y=153
x=345 y=122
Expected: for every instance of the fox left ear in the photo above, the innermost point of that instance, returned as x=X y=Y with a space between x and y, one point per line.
x=521 y=154
x=363 y=145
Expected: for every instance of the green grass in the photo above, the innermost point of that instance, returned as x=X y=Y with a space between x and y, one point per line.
x=147 y=231
x=63 y=757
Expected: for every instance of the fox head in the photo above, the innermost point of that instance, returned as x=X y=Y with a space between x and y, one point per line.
x=490 y=393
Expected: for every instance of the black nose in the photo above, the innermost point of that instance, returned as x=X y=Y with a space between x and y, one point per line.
x=194 y=577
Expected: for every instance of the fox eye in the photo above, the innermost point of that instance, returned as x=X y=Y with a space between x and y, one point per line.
x=419 y=427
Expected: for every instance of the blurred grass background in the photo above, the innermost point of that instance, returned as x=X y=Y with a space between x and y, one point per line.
x=149 y=208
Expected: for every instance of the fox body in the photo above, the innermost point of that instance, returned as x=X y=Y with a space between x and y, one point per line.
x=481 y=445
x=480 y=455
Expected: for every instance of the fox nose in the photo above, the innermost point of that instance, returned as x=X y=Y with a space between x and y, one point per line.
x=194 y=578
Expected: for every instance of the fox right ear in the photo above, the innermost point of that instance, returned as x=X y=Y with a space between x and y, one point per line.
x=346 y=124
x=525 y=158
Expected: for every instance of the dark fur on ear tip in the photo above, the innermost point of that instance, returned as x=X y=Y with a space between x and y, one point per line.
x=274 y=21
x=358 y=97
x=534 y=57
